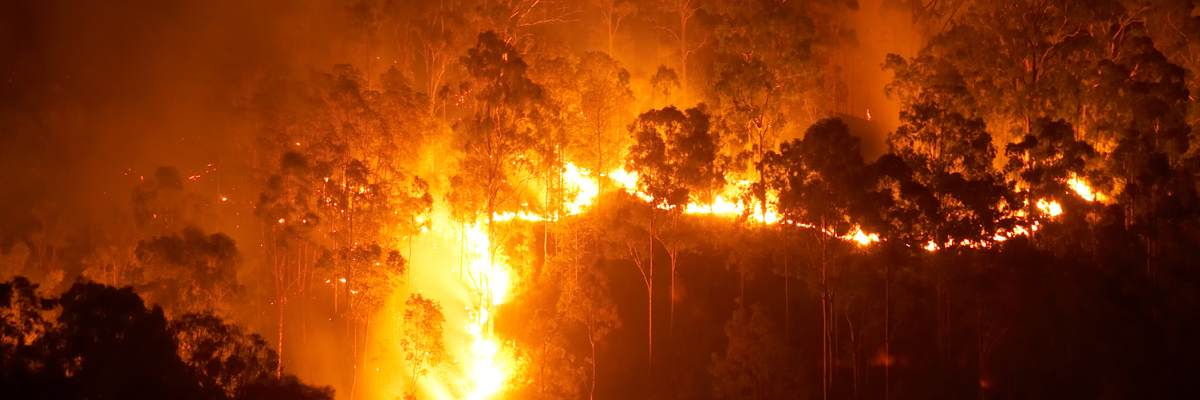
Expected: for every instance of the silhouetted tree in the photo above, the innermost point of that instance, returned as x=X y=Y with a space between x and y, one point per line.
x=189 y=271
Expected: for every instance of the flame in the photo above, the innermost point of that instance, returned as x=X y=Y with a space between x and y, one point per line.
x=491 y=278
x=519 y=215
x=722 y=206
x=483 y=364
x=1084 y=190
x=1051 y=207
x=486 y=370
x=585 y=188
x=862 y=238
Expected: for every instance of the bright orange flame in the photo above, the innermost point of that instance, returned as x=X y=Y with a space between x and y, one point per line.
x=486 y=365
x=722 y=206
x=1084 y=190
x=862 y=238
x=584 y=187
x=486 y=369
x=1051 y=208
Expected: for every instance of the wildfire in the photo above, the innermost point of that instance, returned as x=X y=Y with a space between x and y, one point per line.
x=486 y=372
x=585 y=188
x=628 y=181
x=1051 y=207
x=862 y=238
x=491 y=279
x=1084 y=190
x=485 y=365
x=724 y=207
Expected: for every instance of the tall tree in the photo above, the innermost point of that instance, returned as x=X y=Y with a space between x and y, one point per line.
x=675 y=19
x=675 y=156
x=498 y=134
x=612 y=15
x=817 y=178
x=751 y=112
x=584 y=294
x=606 y=102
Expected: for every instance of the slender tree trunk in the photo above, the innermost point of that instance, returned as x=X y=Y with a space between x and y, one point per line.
x=674 y=257
x=853 y=354
x=279 y=335
x=887 y=331
x=683 y=55
x=650 y=298
x=280 y=299
x=979 y=349
x=825 y=342
x=787 y=300
x=355 y=360
x=592 y=343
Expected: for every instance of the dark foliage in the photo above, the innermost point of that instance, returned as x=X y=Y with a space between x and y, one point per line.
x=101 y=342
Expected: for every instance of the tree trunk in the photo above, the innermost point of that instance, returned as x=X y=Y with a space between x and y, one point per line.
x=825 y=342
x=674 y=257
x=650 y=298
x=592 y=343
x=279 y=333
x=683 y=53
x=887 y=327
x=787 y=302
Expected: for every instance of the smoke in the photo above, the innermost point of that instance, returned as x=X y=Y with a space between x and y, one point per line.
x=95 y=94
x=881 y=27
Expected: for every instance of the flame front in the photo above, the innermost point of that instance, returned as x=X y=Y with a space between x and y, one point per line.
x=483 y=365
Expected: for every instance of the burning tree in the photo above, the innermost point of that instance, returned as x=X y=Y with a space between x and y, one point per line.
x=496 y=136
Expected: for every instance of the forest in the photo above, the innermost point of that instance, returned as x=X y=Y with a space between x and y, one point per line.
x=599 y=199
